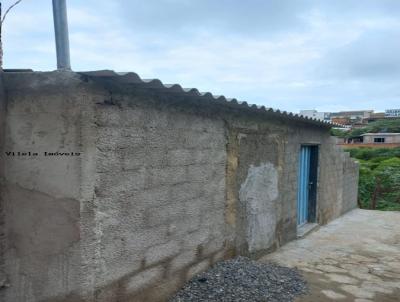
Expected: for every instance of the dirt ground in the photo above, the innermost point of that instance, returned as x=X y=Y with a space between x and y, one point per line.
x=354 y=258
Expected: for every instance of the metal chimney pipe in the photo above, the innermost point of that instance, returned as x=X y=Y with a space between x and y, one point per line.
x=61 y=34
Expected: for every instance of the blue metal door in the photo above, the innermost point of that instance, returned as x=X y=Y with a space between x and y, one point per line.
x=303 y=185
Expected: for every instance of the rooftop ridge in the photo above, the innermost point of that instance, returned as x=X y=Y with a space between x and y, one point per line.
x=134 y=78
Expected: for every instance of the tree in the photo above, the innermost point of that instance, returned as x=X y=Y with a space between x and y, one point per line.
x=3 y=17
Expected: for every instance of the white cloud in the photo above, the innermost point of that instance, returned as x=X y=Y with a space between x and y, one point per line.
x=244 y=52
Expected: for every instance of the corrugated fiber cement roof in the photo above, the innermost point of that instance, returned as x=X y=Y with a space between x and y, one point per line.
x=131 y=77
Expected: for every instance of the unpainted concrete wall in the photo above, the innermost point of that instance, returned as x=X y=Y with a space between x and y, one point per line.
x=3 y=278
x=159 y=196
x=272 y=146
x=164 y=186
x=42 y=195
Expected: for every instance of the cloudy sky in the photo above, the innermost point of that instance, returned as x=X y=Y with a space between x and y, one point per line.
x=288 y=54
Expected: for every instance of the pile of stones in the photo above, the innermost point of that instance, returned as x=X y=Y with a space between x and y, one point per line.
x=242 y=279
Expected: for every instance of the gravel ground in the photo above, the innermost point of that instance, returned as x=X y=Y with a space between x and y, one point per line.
x=242 y=279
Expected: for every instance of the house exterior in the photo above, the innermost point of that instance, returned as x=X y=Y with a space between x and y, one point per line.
x=392 y=113
x=372 y=140
x=381 y=138
x=353 y=116
x=355 y=119
x=341 y=121
x=378 y=117
x=119 y=189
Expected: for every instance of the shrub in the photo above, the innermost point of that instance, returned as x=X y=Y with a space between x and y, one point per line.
x=379 y=185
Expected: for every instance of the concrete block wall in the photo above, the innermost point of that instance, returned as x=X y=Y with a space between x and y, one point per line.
x=160 y=191
x=350 y=178
x=3 y=278
x=165 y=185
x=339 y=174
x=275 y=142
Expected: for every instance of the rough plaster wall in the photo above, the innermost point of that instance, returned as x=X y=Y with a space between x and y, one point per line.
x=160 y=197
x=3 y=279
x=349 y=184
x=41 y=194
x=329 y=190
x=250 y=144
x=260 y=192
x=338 y=189
x=254 y=141
x=278 y=142
x=337 y=173
x=162 y=189
x=300 y=134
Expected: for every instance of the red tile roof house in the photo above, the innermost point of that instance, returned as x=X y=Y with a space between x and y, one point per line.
x=118 y=189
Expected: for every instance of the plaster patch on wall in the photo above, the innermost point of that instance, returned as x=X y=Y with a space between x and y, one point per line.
x=259 y=194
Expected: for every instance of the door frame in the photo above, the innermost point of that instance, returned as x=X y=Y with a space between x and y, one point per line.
x=313 y=179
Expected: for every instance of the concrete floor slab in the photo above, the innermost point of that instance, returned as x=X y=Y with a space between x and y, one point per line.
x=354 y=258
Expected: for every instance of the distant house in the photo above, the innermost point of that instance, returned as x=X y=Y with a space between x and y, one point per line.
x=353 y=119
x=381 y=138
x=373 y=140
x=392 y=112
x=350 y=118
x=378 y=117
x=341 y=120
x=352 y=115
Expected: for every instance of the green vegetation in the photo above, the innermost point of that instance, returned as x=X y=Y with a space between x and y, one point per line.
x=374 y=154
x=379 y=185
x=339 y=132
x=387 y=126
